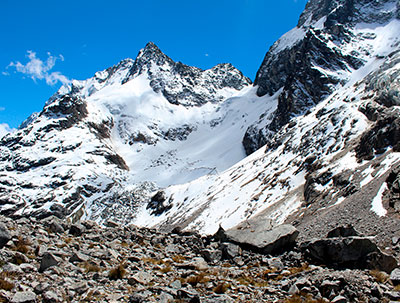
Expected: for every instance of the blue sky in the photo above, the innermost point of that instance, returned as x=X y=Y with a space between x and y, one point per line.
x=71 y=39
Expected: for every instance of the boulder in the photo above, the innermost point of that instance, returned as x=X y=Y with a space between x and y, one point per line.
x=349 y=252
x=5 y=235
x=259 y=236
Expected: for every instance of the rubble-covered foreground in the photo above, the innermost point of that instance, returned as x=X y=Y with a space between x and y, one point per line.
x=51 y=261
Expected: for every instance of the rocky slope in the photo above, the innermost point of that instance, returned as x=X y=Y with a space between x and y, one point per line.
x=52 y=261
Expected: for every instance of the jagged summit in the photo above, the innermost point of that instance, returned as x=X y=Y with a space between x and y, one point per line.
x=349 y=12
x=183 y=84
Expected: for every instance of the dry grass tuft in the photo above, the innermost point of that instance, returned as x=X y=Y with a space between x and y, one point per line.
x=221 y=288
x=22 y=245
x=4 y=284
x=178 y=258
x=153 y=261
x=117 y=272
x=379 y=276
x=166 y=268
x=90 y=267
x=197 y=279
x=247 y=280
x=302 y=298
x=294 y=270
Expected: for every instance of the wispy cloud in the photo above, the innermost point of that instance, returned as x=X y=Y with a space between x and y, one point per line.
x=2 y=108
x=5 y=129
x=37 y=69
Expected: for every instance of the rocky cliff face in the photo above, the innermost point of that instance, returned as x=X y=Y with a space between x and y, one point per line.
x=182 y=84
x=315 y=58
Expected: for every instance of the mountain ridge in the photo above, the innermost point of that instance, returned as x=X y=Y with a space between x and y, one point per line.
x=161 y=144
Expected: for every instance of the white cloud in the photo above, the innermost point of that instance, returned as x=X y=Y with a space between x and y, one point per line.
x=5 y=129
x=206 y=55
x=38 y=69
x=2 y=108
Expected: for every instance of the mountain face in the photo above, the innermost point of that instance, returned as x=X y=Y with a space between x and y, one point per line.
x=312 y=59
x=313 y=142
x=100 y=145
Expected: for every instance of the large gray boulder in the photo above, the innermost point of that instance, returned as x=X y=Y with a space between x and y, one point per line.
x=5 y=235
x=260 y=236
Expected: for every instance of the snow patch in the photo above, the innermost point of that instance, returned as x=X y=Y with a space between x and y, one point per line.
x=377 y=205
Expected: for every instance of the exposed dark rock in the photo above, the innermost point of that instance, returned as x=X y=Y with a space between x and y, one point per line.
x=48 y=260
x=393 y=184
x=151 y=58
x=71 y=108
x=343 y=231
x=347 y=252
x=77 y=229
x=5 y=235
x=157 y=204
x=117 y=160
x=395 y=276
x=385 y=133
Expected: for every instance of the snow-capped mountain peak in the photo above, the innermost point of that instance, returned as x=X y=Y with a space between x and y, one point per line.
x=158 y=143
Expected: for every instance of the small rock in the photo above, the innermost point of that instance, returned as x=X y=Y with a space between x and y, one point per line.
x=26 y=267
x=40 y=250
x=176 y=284
x=212 y=255
x=51 y=297
x=230 y=250
x=24 y=297
x=140 y=277
x=393 y=295
x=42 y=287
x=56 y=227
x=12 y=268
x=48 y=260
x=111 y=223
x=76 y=229
x=165 y=298
x=5 y=235
x=339 y=299
x=395 y=276
x=293 y=290
x=78 y=257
